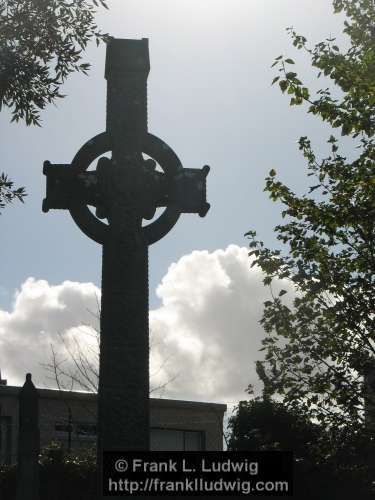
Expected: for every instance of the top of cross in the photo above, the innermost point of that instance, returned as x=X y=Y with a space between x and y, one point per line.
x=126 y=55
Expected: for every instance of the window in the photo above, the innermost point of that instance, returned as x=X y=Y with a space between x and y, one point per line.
x=160 y=439
x=85 y=430
x=193 y=441
x=79 y=430
x=63 y=427
x=176 y=440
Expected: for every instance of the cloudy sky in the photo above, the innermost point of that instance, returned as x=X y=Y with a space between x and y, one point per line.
x=211 y=100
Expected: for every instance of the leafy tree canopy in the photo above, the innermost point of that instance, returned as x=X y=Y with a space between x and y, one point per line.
x=41 y=43
x=320 y=351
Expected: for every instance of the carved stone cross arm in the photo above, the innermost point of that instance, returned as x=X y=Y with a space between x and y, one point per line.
x=185 y=190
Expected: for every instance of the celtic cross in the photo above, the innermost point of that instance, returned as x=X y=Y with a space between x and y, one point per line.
x=124 y=190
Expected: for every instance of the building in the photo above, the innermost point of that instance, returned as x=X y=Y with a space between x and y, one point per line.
x=70 y=418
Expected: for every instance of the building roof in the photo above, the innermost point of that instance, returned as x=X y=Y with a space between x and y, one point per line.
x=8 y=390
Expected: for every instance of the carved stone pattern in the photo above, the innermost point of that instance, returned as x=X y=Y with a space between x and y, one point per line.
x=127 y=114
x=124 y=347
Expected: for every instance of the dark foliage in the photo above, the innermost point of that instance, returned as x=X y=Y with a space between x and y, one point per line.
x=41 y=43
x=62 y=477
x=263 y=424
x=8 y=193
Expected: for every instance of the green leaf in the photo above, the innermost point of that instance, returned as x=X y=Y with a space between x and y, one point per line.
x=346 y=128
x=283 y=85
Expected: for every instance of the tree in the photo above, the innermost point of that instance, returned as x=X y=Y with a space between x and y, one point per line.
x=265 y=424
x=320 y=346
x=41 y=43
x=79 y=368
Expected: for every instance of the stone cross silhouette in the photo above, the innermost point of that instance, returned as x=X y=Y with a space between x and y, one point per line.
x=125 y=190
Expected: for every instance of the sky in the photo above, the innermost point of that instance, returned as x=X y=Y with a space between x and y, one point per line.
x=210 y=98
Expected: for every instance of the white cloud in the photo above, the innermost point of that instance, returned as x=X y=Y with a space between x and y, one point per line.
x=208 y=324
x=40 y=312
x=205 y=334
